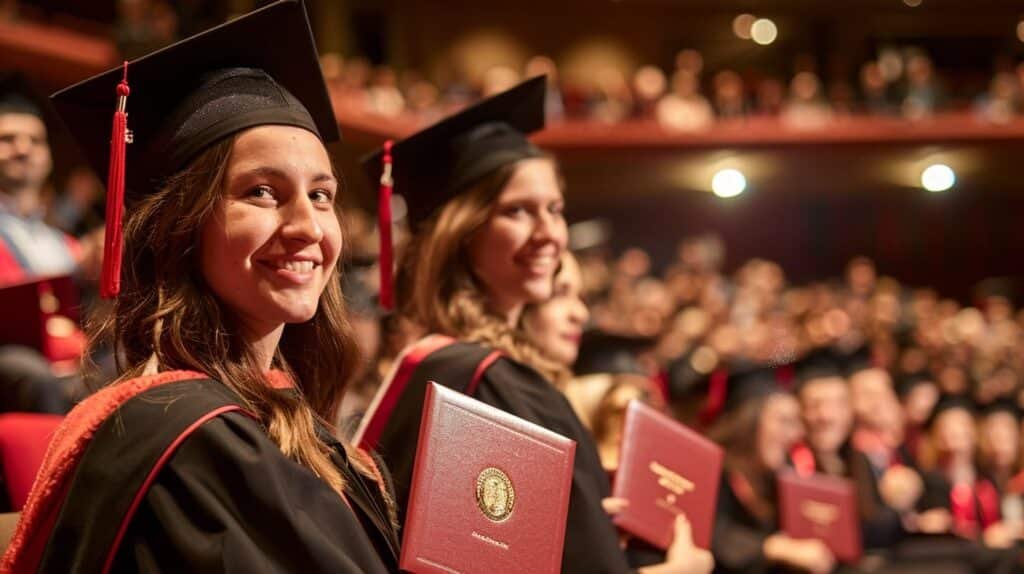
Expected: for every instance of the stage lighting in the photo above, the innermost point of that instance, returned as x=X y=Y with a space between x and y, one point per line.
x=938 y=177
x=728 y=183
x=763 y=31
x=742 y=24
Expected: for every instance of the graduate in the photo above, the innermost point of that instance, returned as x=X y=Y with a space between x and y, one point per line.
x=485 y=207
x=759 y=427
x=212 y=452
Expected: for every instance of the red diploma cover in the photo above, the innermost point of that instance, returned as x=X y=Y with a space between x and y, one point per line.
x=666 y=469
x=42 y=314
x=822 y=507
x=490 y=491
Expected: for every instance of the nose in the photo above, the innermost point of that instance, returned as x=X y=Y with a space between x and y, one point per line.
x=22 y=146
x=550 y=227
x=580 y=312
x=300 y=221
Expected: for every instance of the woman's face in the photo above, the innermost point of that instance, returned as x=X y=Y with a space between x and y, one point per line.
x=271 y=243
x=557 y=324
x=516 y=251
x=954 y=432
x=778 y=430
x=1001 y=439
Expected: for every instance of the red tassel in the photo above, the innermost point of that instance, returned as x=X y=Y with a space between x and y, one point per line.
x=715 y=401
x=387 y=294
x=110 y=281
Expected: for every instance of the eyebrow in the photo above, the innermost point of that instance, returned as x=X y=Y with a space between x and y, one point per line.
x=273 y=172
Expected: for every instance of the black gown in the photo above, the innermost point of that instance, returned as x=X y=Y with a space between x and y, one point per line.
x=591 y=540
x=227 y=500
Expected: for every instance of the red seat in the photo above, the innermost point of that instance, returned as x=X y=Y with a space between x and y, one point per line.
x=23 y=441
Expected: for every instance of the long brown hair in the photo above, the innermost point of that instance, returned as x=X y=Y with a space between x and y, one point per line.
x=437 y=290
x=166 y=314
x=737 y=433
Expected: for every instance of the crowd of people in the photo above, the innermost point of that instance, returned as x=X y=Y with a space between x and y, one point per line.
x=899 y=83
x=251 y=318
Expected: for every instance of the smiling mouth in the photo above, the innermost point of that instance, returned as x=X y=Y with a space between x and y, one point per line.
x=292 y=271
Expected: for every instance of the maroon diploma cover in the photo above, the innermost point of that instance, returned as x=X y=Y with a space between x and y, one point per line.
x=666 y=469
x=822 y=507
x=490 y=491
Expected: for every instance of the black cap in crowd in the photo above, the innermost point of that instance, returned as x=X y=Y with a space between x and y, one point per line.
x=612 y=354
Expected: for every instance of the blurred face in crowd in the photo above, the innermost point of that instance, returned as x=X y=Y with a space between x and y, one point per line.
x=1000 y=440
x=875 y=405
x=778 y=430
x=273 y=240
x=827 y=414
x=25 y=159
x=919 y=402
x=954 y=433
x=516 y=252
x=557 y=324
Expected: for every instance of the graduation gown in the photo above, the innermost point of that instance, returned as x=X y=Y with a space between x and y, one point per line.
x=739 y=535
x=391 y=428
x=179 y=478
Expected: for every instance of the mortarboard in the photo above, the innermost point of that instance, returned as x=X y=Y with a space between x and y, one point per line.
x=259 y=69
x=18 y=97
x=436 y=164
x=749 y=384
x=819 y=364
x=610 y=353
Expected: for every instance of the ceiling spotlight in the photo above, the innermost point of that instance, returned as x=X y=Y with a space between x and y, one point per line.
x=912 y=3
x=1020 y=30
x=938 y=177
x=728 y=183
x=763 y=31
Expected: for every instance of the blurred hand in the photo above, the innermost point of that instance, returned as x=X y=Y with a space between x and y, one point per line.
x=682 y=556
x=613 y=505
x=90 y=264
x=808 y=554
x=900 y=488
x=934 y=521
x=999 y=535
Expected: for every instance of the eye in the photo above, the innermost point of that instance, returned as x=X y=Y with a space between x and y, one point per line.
x=261 y=192
x=557 y=208
x=513 y=210
x=321 y=196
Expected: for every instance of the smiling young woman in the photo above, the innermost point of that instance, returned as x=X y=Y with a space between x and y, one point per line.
x=486 y=210
x=212 y=451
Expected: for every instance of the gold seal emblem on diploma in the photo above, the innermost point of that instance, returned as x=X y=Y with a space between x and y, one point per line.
x=494 y=494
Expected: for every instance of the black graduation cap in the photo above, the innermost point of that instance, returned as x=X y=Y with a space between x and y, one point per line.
x=170 y=105
x=434 y=165
x=748 y=384
x=856 y=361
x=18 y=97
x=610 y=353
x=259 y=69
x=948 y=403
x=818 y=364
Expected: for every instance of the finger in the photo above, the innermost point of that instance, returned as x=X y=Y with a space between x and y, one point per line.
x=684 y=531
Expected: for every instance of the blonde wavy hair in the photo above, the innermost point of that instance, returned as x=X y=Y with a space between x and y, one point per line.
x=436 y=287
x=167 y=317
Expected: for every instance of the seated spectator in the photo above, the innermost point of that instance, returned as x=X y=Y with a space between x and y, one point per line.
x=806 y=107
x=649 y=86
x=762 y=425
x=684 y=108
